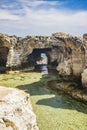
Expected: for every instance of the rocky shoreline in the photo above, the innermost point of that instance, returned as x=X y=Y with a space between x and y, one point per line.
x=73 y=89
x=66 y=53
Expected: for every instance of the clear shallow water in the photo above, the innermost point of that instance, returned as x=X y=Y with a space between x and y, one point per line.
x=53 y=110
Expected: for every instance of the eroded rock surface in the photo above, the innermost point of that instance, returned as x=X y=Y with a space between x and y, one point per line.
x=67 y=53
x=70 y=88
x=4 y=49
x=15 y=110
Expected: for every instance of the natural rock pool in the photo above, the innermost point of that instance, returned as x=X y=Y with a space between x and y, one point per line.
x=54 y=111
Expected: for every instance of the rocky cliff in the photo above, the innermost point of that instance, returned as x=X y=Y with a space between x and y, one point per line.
x=66 y=53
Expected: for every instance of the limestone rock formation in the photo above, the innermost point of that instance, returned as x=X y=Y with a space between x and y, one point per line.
x=4 y=49
x=84 y=78
x=66 y=53
x=70 y=88
x=64 y=68
x=15 y=110
x=73 y=49
x=84 y=73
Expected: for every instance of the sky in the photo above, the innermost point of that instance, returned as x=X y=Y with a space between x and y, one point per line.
x=43 y=17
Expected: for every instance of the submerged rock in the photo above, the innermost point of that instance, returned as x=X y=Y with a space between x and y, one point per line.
x=15 y=110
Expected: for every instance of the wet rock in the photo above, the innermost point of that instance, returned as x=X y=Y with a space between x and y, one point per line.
x=70 y=88
x=16 y=111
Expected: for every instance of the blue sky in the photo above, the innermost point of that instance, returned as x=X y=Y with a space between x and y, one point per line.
x=43 y=17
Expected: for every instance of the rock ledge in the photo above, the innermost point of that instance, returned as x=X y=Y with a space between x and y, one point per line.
x=15 y=110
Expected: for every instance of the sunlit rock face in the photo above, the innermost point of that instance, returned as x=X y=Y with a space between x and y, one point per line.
x=84 y=73
x=84 y=78
x=72 y=55
x=67 y=53
x=16 y=110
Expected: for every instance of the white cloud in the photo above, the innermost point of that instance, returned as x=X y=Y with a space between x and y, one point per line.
x=7 y=15
x=43 y=22
x=35 y=3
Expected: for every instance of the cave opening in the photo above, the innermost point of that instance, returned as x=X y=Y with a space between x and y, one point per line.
x=3 y=58
x=35 y=56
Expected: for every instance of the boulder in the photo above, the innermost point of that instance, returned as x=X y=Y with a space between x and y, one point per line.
x=16 y=110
